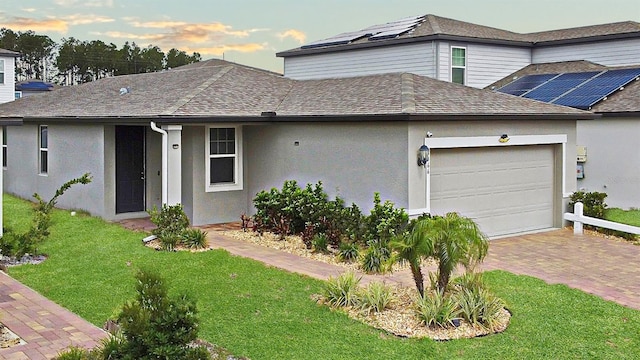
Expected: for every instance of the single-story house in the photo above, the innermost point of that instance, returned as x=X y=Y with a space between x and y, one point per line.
x=211 y=135
x=608 y=160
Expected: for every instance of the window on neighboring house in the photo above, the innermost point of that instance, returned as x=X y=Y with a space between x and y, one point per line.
x=224 y=158
x=458 y=64
x=18 y=94
x=43 y=157
x=1 y=71
x=4 y=146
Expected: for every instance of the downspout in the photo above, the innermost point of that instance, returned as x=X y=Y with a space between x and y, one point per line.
x=165 y=165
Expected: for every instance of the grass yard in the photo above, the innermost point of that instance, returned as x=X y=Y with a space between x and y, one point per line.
x=265 y=313
x=629 y=217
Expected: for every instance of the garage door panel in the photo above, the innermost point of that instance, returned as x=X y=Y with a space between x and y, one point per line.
x=505 y=190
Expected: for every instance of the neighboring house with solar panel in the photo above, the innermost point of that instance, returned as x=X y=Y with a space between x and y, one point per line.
x=211 y=135
x=458 y=51
x=608 y=156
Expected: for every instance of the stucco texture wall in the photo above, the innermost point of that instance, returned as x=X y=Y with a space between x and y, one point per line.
x=613 y=159
x=352 y=160
x=73 y=151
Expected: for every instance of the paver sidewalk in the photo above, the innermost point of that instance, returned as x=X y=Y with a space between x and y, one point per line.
x=47 y=327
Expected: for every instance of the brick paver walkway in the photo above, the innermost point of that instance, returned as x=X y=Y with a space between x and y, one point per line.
x=46 y=327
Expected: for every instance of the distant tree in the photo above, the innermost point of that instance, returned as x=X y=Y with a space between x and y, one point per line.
x=35 y=51
x=177 y=58
x=152 y=59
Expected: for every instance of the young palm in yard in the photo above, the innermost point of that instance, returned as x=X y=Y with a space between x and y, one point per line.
x=451 y=240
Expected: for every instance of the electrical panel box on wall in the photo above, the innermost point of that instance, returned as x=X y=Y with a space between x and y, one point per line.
x=582 y=153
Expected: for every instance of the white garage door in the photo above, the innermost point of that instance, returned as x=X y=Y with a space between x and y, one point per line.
x=506 y=190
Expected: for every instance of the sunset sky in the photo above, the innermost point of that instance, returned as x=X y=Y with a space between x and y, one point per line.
x=252 y=31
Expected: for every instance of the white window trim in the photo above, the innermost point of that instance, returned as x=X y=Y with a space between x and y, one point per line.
x=464 y=80
x=41 y=150
x=2 y=62
x=238 y=162
x=491 y=141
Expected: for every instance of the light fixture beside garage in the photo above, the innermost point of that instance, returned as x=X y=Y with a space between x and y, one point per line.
x=504 y=138
x=423 y=155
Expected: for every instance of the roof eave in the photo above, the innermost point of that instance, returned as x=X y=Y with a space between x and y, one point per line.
x=619 y=114
x=622 y=36
x=409 y=40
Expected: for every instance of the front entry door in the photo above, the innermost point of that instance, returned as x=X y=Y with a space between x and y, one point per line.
x=130 y=174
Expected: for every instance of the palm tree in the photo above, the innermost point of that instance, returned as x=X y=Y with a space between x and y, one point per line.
x=450 y=240
x=412 y=247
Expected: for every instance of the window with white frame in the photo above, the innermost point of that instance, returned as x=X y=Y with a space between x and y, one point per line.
x=223 y=158
x=458 y=64
x=1 y=71
x=4 y=147
x=43 y=153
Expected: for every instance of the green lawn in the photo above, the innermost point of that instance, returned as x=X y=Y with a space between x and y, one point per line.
x=264 y=313
x=629 y=217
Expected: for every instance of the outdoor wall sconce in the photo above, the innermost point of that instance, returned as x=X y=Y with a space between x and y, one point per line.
x=504 y=138
x=423 y=155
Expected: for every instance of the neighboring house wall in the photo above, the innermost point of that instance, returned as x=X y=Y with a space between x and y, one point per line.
x=608 y=53
x=352 y=160
x=486 y=64
x=413 y=58
x=7 y=87
x=72 y=151
x=613 y=159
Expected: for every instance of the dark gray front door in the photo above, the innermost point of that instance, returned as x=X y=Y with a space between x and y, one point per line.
x=130 y=183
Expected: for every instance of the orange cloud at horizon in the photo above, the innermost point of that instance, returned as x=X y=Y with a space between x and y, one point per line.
x=221 y=49
x=24 y=24
x=297 y=35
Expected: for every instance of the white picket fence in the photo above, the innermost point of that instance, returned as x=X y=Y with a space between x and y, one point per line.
x=579 y=219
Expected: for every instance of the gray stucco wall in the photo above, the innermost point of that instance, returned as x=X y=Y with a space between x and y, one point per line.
x=73 y=151
x=418 y=130
x=613 y=159
x=352 y=160
x=206 y=207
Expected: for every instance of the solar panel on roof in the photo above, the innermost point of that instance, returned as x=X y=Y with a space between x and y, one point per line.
x=394 y=29
x=526 y=83
x=598 y=88
x=558 y=86
x=405 y=25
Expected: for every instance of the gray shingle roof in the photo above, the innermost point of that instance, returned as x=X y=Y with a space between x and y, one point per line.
x=222 y=89
x=5 y=52
x=440 y=27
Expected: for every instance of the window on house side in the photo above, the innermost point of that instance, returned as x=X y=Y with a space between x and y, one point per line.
x=4 y=147
x=1 y=71
x=458 y=65
x=43 y=156
x=223 y=149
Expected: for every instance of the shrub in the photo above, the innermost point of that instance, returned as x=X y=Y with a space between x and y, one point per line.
x=342 y=290
x=157 y=326
x=375 y=297
x=594 y=205
x=376 y=259
x=78 y=353
x=348 y=251
x=385 y=221
x=470 y=280
x=308 y=234
x=171 y=223
x=320 y=243
x=17 y=245
x=194 y=238
x=436 y=309
x=479 y=307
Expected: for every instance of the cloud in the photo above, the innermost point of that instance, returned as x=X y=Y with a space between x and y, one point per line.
x=60 y=25
x=297 y=35
x=23 y=24
x=221 y=49
x=193 y=32
x=85 y=3
x=29 y=10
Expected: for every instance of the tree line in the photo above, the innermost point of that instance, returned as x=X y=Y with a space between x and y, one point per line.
x=75 y=61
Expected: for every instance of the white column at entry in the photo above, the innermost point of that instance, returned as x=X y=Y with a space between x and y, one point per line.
x=174 y=166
